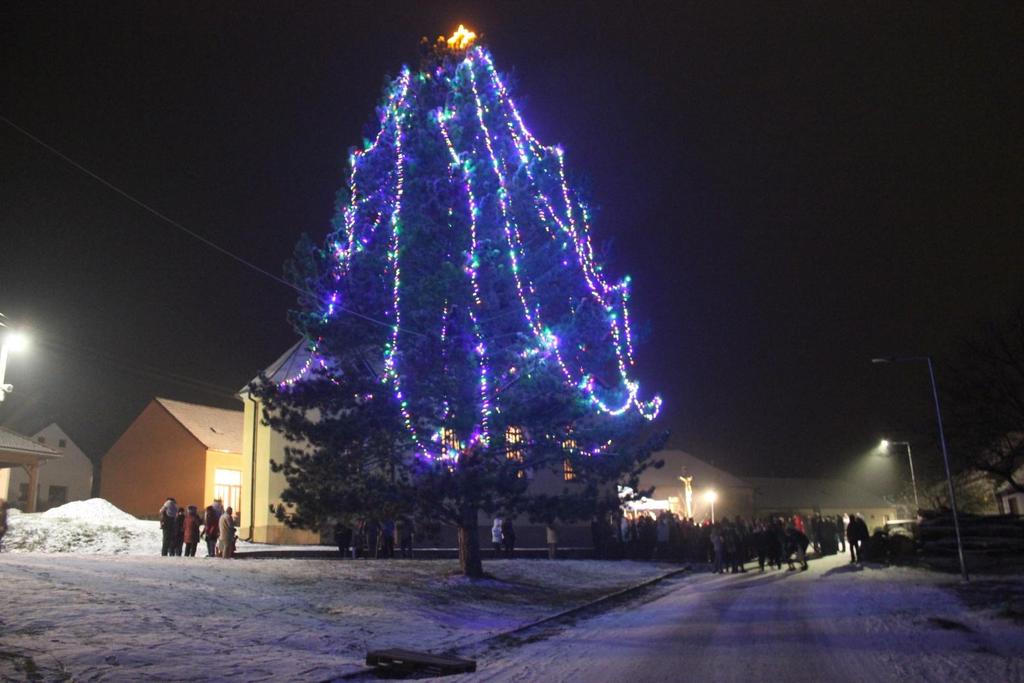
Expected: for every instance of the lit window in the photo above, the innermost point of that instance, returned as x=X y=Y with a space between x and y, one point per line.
x=449 y=443
x=568 y=473
x=227 y=485
x=514 y=444
x=570 y=447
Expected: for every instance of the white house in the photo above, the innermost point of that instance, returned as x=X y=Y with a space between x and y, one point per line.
x=60 y=479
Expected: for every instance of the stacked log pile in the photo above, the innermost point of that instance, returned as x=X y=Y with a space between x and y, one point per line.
x=992 y=543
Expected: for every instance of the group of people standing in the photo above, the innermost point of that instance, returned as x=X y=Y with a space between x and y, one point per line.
x=729 y=544
x=503 y=537
x=182 y=529
x=376 y=539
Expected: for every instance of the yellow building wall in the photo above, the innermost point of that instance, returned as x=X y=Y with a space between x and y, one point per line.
x=222 y=460
x=261 y=443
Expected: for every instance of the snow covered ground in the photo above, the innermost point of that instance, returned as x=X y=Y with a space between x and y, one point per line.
x=832 y=623
x=96 y=615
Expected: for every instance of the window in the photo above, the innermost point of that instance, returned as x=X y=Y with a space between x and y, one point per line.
x=227 y=485
x=23 y=494
x=58 y=496
x=568 y=473
x=62 y=443
x=41 y=439
x=514 y=443
x=570 y=446
x=449 y=443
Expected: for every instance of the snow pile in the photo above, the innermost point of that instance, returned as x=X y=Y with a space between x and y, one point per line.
x=94 y=510
x=92 y=526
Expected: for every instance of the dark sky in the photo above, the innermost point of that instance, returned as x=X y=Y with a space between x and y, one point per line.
x=794 y=189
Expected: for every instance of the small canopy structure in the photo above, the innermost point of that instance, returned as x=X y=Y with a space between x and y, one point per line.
x=17 y=450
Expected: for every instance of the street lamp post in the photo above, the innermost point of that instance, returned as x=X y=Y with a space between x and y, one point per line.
x=12 y=341
x=945 y=451
x=910 y=458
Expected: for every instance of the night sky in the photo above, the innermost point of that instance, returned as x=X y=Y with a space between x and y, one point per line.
x=793 y=188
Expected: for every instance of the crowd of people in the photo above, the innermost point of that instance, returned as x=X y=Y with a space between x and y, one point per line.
x=182 y=528
x=728 y=545
x=376 y=539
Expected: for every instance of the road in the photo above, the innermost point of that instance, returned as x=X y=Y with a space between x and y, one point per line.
x=835 y=622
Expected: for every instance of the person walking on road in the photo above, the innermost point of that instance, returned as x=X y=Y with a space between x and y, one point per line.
x=857 y=535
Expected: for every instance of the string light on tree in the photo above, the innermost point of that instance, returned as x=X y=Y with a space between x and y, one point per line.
x=462 y=231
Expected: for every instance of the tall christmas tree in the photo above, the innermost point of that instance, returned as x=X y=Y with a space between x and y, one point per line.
x=463 y=336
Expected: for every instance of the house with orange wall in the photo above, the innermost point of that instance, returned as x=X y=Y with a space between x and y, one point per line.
x=187 y=451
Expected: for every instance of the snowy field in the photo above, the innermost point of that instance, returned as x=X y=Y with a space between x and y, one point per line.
x=92 y=614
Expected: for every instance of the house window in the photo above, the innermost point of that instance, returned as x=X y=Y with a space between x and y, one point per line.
x=41 y=439
x=449 y=443
x=515 y=441
x=62 y=443
x=227 y=485
x=23 y=494
x=570 y=446
x=58 y=495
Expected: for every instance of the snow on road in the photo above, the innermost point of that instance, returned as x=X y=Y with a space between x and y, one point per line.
x=128 y=617
x=832 y=623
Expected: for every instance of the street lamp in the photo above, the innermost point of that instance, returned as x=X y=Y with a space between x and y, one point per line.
x=945 y=451
x=885 y=449
x=11 y=341
x=710 y=496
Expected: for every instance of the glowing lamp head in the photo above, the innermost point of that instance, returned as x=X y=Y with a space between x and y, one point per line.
x=461 y=39
x=884 y=445
x=711 y=496
x=16 y=341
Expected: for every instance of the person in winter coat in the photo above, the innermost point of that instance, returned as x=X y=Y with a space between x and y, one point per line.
x=552 y=537
x=3 y=520
x=226 y=534
x=496 y=536
x=796 y=542
x=342 y=537
x=168 y=525
x=387 y=539
x=190 y=531
x=718 y=544
x=179 y=533
x=211 y=530
x=508 y=537
x=857 y=535
x=404 y=531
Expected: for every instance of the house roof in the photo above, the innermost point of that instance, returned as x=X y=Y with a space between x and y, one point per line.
x=218 y=429
x=789 y=492
x=680 y=463
x=14 y=442
x=289 y=364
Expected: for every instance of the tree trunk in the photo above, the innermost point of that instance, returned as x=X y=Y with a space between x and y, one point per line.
x=469 y=545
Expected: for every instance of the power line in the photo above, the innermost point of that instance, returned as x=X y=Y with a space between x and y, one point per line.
x=191 y=233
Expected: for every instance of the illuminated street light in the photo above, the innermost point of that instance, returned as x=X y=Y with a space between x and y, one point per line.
x=12 y=341
x=885 y=449
x=942 y=440
x=710 y=496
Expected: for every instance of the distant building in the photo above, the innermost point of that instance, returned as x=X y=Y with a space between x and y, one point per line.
x=733 y=496
x=190 y=452
x=60 y=480
x=789 y=496
x=20 y=452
